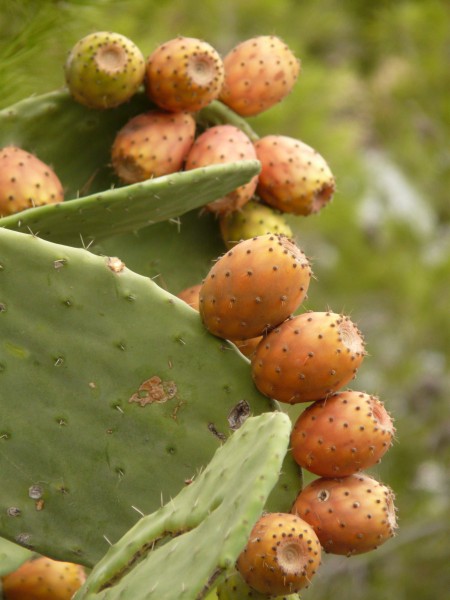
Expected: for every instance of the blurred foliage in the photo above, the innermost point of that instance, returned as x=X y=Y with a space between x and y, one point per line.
x=373 y=100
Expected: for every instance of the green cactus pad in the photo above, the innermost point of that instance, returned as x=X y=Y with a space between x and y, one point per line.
x=76 y=142
x=12 y=556
x=216 y=513
x=113 y=396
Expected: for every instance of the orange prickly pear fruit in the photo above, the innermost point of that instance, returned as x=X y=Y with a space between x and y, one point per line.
x=294 y=178
x=282 y=555
x=308 y=357
x=350 y=515
x=248 y=347
x=190 y=295
x=184 y=74
x=26 y=181
x=223 y=144
x=344 y=433
x=43 y=579
x=259 y=73
x=152 y=144
x=254 y=287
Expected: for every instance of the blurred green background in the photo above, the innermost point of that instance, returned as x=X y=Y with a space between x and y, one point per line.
x=373 y=99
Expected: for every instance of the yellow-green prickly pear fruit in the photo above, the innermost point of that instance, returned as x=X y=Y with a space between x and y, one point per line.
x=251 y=220
x=104 y=69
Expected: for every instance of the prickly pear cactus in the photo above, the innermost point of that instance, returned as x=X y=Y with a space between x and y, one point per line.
x=100 y=212
x=113 y=396
x=201 y=530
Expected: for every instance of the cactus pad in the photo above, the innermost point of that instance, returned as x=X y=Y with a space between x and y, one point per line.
x=214 y=516
x=113 y=397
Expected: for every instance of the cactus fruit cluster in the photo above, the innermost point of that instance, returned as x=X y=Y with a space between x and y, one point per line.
x=156 y=396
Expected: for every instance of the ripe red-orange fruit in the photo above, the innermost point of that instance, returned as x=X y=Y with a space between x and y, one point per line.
x=190 y=295
x=26 y=181
x=253 y=287
x=308 y=357
x=259 y=73
x=248 y=347
x=184 y=74
x=282 y=555
x=350 y=515
x=223 y=144
x=152 y=144
x=344 y=433
x=294 y=177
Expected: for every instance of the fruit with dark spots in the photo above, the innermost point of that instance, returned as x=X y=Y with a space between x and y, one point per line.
x=282 y=555
x=294 y=177
x=152 y=144
x=347 y=432
x=308 y=357
x=254 y=287
x=224 y=144
x=104 y=69
x=43 y=578
x=190 y=295
x=251 y=220
x=184 y=74
x=26 y=181
x=259 y=73
x=350 y=515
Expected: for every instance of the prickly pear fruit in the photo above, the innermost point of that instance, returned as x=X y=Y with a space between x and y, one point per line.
x=294 y=177
x=42 y=578
x=223 y=144
x=259 y=73
x=254 y=287
x=350 y=515
x=191 y=295
x=26 y=181
x=281 y=556
x=347 y=432
x=251 y=220
x=234 y=587
x=104 y=69
x=184 y=74
x=152 y=144
x=248 y=347
x=308 y=357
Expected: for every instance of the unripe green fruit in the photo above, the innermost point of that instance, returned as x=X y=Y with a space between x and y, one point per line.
x=104 y=69
x=251 y=220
